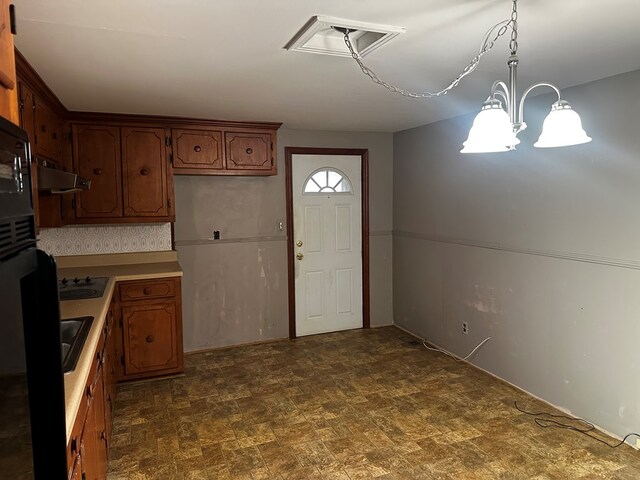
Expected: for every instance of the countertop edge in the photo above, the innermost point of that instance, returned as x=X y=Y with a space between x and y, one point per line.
x=75 y=381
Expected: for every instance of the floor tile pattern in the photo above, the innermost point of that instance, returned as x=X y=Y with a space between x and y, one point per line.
x=362 y=404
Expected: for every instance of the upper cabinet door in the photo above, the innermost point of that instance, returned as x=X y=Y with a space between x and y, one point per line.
x=27 y=106
x=197 y=150
x=144 y=166
x=48 y=132
x=96 y=155
x=249 y=151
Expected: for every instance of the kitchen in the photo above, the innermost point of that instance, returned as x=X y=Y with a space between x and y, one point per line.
x=187 y=218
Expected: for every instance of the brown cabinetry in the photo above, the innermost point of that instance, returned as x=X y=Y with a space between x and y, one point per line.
x=8 y=84
x=48 y=132
x=87 y=451
x=197 y=150
x=151 y=328
x=144 y=166
x=96 y=156
x=224 y=151
x=42 y=116
x=247 y=151
x=129 y=173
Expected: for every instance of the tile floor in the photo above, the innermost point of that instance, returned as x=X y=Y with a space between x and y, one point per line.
x=354 y=405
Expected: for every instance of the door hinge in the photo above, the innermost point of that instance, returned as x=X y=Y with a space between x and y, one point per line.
x=171 y=159
x=272 y=161
x=21 y=104
x=167 y=141
x=168 y=203
x=272 y=146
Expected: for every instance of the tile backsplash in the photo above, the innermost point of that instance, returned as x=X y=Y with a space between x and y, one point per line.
x=93 y=240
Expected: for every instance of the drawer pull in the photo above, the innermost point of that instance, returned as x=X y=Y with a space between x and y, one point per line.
x=249 y=151
x=97 y=171
x=147 y=290
x=197 y=149
x=144 y=172
x=149 y=338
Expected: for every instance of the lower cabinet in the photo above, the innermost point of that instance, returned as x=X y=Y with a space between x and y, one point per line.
x=88 y=447
x=151 y=327
x=142 y=338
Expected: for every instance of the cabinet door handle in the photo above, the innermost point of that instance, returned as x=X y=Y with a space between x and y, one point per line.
x=97 y=171
x=149 y=338
x=144 y=172
x=197 y=148
x=249 y=151
x=147 y=290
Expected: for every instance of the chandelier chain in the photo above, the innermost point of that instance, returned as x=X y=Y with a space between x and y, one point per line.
x=487 y=44
x=513 y=44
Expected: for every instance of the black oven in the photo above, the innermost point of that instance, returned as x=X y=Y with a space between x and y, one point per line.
x=32 y=410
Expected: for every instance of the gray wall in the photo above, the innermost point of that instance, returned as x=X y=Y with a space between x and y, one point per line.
x=538 y=249
x=235 y=289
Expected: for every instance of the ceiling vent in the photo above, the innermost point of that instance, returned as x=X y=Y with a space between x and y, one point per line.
x=319 y=36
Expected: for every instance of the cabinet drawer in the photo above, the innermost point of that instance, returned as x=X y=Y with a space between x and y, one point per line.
x=147 y=289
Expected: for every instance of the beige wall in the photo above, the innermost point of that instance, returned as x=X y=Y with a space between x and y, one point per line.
x=538 y=249
x=235 y=289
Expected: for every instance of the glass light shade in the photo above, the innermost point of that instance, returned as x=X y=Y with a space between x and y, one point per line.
x=492 y=130
x=562 y=127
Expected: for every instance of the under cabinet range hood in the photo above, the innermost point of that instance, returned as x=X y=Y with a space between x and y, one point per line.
x=53 y=180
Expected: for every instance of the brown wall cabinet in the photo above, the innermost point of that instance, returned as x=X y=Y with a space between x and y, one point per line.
x=130 y=177
x=197 y=150
x=96 y=156
x=150 y=328
x=223 y=151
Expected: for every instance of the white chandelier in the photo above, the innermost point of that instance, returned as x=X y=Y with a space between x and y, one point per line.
x=496 y=127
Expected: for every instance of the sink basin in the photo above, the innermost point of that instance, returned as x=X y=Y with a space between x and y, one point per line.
x=73 y=334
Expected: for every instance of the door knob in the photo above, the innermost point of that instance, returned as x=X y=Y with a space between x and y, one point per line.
x=299 y=243
x=299 y=256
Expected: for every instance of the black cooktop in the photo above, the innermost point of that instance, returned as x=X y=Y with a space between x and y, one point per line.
x=80 y=288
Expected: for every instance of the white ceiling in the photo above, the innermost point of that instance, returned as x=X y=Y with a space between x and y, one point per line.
x=224 y=59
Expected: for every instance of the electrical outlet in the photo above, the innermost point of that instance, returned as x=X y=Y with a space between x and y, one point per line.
x=465 y=328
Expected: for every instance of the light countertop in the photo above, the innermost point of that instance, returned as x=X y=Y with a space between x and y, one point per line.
x=143 y=267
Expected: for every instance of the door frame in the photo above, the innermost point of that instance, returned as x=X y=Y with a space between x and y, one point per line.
x=363 y=153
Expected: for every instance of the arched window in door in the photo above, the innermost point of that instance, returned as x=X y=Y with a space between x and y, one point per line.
x=327 y=180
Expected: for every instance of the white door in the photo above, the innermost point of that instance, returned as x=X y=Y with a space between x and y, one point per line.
x=327 y=236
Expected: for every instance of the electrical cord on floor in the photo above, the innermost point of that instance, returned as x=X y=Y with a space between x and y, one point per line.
x=456 y=358
x=588 y=427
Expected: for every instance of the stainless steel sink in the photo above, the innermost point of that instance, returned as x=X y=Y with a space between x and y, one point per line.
x=73 y=334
